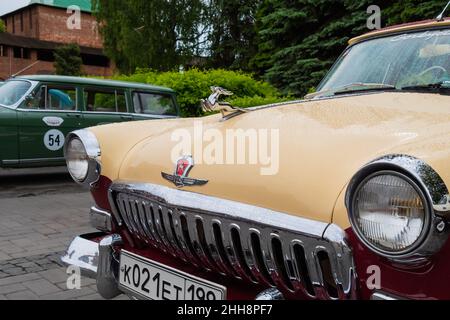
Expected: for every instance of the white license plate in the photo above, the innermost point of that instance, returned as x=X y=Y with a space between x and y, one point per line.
x=151 y=280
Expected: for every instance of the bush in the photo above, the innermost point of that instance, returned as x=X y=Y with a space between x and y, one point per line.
x=194 y=85
x=68 y=60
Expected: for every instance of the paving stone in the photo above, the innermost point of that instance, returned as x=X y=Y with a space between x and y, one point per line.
x=34 y=269
x=22 y=295
x=11 y=288
x=14 y=271
x=94 y=296
x=41 y=287
x=69 y=294
x=55 y=275
x=34 y=234
x=19 y=279
x=4 y=256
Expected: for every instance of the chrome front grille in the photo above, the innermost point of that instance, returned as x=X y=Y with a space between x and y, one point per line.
x=254 y=244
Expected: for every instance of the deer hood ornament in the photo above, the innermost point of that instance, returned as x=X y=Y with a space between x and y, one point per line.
x=212 y=104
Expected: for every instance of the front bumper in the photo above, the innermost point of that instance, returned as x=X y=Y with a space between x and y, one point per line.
x=96 y=256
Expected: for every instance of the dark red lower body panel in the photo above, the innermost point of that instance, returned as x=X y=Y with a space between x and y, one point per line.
x=428 y=282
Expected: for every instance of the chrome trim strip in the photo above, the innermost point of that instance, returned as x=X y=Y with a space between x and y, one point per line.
x=49 y=110
x=381 y=296
x=97 y=260
x=436 y=194
x=270 y=295
x=108 y=266
x=231 y=209
x=83 y=253
x=101 y=219
x=198 y=221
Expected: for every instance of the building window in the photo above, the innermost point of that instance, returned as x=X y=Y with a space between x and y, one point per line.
x=30 y=15
x=13 y=24
x=94 y=60
x=45 y=55
x=21 y=21
x=3 y=51
x=21 y=53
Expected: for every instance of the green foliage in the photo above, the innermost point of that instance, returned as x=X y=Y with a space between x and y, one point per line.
x=232 y=37
x=2 y=26
x=194 y=85
x=155 y=34
x=298 y=41
x=289 y=43
x=68 y=60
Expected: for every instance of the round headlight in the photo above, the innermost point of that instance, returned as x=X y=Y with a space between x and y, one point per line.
x=77 y=159
x=390 y=213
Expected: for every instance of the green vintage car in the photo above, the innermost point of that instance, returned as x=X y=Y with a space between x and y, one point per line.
x=37 y=112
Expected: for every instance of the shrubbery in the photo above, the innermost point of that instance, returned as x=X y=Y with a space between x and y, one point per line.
x=194 y=85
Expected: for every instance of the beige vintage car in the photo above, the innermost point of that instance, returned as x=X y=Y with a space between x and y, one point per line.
x=343 y=195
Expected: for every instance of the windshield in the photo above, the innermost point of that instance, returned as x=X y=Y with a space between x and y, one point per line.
x=12 y=91
x=419 y=58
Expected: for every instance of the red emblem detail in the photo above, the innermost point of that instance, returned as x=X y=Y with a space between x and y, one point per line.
x=182 y=166
x=181 y=175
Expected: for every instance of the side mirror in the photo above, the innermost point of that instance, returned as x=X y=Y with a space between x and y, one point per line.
x=29 y=97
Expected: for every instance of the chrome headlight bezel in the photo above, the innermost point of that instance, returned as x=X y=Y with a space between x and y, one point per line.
x=93 y=153
x=426 y=221
x=433 y=190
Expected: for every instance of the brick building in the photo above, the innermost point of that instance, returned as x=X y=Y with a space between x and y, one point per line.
x=36 y=30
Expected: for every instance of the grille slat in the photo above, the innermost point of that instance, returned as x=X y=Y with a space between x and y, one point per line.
x=196 y=242
x=181 y=239
x=151 y=224
x=294 y=261
x=212 y=248
x=137 y=220
x=143 y=220
x=219 y=245
x=231 y=253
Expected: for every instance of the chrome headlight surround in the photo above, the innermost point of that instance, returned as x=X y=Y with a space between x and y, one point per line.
x=91 y=156
x=430 y=188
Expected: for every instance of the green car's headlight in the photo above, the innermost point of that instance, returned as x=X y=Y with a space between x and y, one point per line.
x=82 y=154
x=390 y=213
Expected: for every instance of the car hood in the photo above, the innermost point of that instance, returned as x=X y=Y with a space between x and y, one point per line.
x=322 y=144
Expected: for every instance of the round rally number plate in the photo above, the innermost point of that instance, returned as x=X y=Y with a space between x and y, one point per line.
x=54 y=140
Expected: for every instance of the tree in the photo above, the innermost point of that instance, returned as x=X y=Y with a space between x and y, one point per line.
x=2 y=26
x=68 y=60
x=155 y=34
x=232 y=36
x=298 y=41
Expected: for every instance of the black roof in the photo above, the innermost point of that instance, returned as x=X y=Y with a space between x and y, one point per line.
x=32 y=43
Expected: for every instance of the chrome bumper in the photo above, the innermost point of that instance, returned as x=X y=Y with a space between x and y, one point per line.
x=96 y=260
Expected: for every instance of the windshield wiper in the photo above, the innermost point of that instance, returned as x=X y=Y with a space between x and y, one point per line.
x=359 y=87
x=433 y=87
x=351 y=88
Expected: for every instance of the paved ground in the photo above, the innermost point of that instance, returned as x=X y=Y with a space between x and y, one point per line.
x=41 y=211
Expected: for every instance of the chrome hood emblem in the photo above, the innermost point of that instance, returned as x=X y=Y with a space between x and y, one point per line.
x=180 y=177
x=213 y=104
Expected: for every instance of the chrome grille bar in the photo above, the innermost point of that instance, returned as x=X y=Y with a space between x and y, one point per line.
x=254 y=244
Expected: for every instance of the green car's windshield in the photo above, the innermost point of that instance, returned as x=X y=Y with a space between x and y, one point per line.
x=12 y=91
x=412 y=59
